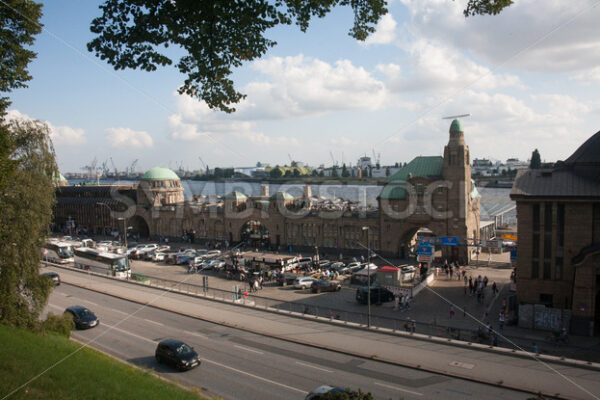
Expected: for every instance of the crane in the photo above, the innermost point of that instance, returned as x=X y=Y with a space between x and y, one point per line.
x=104 y=168
x=335 y=164
x=114 y=167
x=91 y=169
x=376 y=158
x=132 y=167
x=204 y=166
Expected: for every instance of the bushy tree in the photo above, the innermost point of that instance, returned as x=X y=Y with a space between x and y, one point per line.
x=334 y=172
x=276 y=172
x=345 y=172
x=387 y=171
x=26 y=203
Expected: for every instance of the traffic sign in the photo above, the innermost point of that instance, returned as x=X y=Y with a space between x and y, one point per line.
x=425 y=250
x=421 y=258
x=491 y=243
x=449 y=241
x=509 y=237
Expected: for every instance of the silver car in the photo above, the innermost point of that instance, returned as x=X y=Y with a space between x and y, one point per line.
x=303 y=282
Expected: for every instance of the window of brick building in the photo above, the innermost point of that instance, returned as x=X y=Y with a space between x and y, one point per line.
x=535 y=248
x=547 y=241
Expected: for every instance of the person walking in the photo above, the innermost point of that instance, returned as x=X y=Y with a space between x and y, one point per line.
x=494 y=288
x=451 y=312
x=501 y=320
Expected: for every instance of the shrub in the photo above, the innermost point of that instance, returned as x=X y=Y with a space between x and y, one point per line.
x=61 y=324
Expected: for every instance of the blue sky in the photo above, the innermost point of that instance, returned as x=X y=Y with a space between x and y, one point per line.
x=527 y=77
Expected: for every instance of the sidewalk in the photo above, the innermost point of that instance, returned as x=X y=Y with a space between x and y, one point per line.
x=492 y=366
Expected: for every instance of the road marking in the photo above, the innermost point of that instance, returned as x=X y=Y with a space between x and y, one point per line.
x=256 y=376
x=195 y=334
x=112 y=327
x=312 y=366
x=154 y=322
x=462 y=365
x=397 y=388
x=248 y=349
x=91 y=302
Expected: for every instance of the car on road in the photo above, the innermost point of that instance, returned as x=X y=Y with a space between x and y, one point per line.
x=325 y=392
x=52 y=276
x=286 y=279
x=379 y=295
x=303 y=282
x=320 y=285
x=82 y=317
x=176 y=354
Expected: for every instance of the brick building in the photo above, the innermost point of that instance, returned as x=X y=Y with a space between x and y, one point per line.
x=433 y=193
x=558 y=213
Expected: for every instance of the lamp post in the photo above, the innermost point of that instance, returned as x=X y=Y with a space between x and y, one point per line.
x=366 y=229
x=125 y=229
x=109 y=211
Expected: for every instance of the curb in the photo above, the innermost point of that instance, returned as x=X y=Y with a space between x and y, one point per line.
x=338 y=350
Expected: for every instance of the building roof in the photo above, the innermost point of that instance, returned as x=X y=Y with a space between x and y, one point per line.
x=235 y=195
x=578 y=176
x=456 y=126
x=422 y=166
x=159 y=174
x=282 y=196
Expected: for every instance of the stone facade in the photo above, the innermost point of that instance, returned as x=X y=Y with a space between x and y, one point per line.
x=434 y=193
x=558 y=213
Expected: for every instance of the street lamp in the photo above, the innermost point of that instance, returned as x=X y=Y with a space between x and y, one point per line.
x=366 y=228
x=109 y=211
x=125 y=229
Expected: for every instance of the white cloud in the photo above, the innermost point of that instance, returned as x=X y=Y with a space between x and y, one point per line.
x=556 y=36
x=587 y=77
x=385 y=31
x=60 y=135
x=127 y=137
x=435 y=68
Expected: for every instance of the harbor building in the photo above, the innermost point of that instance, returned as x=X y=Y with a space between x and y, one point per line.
x=433 y=194
x=558 y=258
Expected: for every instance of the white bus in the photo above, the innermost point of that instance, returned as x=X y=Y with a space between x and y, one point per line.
x=57 y=252
x=102 y=262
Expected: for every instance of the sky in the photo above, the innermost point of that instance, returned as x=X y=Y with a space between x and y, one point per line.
x=528 y=78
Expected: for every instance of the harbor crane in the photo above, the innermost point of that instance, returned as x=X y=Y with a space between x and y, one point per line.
x=376 y=159
x=114 y=167
x=91 y=168
x=335 y=164
x=204 y=166
x=132 y=167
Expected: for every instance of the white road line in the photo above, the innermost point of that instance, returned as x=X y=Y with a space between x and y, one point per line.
x=112 y=327
x=91 y=302
x=154 y=322
x=312 y=366
x=119 y=312
x=397 y=388
x=256 y=376
x=195 y=334
x=248 y=349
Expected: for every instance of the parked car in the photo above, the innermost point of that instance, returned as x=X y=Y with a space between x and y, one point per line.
x=159 y=256
x=184 y=257
x=52 y=276
x=379 y=295
x=286 y=278
x=324 y=392
x=320 y=285
x=177 y=354
x=82 y=317
x=142 y=249
x=213 y=253
x=303 y=282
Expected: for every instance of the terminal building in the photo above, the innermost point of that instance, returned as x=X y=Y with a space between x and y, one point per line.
x=558 y=258
x=434 y=194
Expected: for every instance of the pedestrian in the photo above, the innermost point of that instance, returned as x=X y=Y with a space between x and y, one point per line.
x=501 y=319
x=396 y=302
x=534 y=348
x=495 y=342
x=494 y=288
x=451 y=312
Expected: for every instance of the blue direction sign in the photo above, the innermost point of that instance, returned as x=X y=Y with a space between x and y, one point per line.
x=449 y=241
x=425 y=250
x=513 y=255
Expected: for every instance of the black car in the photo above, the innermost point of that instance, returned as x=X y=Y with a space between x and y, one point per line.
x=177 y=354
x=323 y=392
x=52 y=276
x=82 y=317
x=325 y=286
x=379 y=295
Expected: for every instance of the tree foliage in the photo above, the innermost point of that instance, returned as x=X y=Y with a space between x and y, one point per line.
x=18 y=25
x=483 y=7
x=26 y=203
x=216 y=36
x=536 y=160
x=345 y=172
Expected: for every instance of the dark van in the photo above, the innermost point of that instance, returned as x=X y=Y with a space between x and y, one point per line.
x=379 y=295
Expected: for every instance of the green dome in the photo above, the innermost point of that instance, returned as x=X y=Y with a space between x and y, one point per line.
x=456 y=126
x=235 y=195
x=159 y=174
x=282 y=196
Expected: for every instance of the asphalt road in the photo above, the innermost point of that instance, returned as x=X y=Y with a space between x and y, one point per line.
x=242 y=365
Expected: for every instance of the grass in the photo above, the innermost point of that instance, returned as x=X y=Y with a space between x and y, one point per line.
x=87 y=374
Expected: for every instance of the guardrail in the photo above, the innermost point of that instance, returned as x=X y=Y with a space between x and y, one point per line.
x=248 y=298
